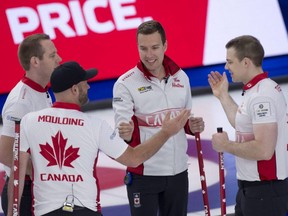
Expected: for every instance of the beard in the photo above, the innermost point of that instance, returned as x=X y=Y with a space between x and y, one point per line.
x=83 y=97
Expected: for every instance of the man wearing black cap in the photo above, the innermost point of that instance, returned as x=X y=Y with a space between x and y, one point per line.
x=69 y=74
x=63 y=144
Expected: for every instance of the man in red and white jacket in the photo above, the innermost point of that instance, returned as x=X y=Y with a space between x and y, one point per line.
x=261 y=126
x=143 y=96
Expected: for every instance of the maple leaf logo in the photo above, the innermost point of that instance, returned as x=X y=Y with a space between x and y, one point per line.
x=58 y=154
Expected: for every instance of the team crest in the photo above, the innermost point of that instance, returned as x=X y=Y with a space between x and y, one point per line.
x=59 y=154
x=136 y=197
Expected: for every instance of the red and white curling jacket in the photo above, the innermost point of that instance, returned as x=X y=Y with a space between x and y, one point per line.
x=139 y=96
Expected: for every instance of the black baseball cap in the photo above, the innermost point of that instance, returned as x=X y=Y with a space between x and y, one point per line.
x=68 y=74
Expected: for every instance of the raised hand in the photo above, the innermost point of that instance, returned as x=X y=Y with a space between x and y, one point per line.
x=218 y=83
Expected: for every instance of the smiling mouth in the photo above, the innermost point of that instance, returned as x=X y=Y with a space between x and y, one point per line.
x=151 y=61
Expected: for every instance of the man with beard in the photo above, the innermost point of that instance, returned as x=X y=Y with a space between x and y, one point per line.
x=64 y=142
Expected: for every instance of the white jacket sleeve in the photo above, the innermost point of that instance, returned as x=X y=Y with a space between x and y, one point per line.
x=123 y=104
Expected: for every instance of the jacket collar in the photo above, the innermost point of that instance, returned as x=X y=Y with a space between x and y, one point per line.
x=34 y=85
x=66 y=105
x=255 y=80
x=170 y=68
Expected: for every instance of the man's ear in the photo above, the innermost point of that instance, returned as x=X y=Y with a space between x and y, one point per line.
x=165 y=46
x=74 y=89
x=247 y=61
x=34 y=61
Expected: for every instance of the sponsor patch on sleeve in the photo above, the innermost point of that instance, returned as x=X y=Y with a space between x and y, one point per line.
x=262 y=110
x=117 y=99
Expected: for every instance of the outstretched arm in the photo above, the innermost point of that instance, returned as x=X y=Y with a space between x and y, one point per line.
x=132 y=157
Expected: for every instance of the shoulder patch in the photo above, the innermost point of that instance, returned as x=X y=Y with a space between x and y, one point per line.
x=117 y=99
x=262 y=110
